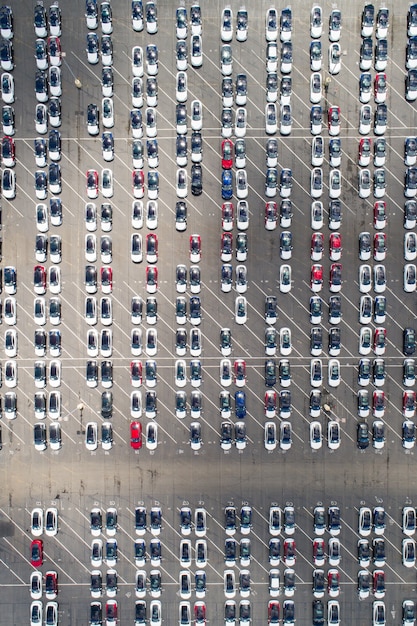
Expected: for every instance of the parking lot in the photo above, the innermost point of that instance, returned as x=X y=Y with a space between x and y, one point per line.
x=173 y=474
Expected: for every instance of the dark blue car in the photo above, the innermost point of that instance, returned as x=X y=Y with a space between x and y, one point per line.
x=240 y=404
x=227 y=185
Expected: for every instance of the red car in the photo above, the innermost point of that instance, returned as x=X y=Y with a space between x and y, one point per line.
x=271 y=215
x=317 y=244
x=380 y=340
x=380 y=88
x=151 y=279
x=334 y=120
x=136 y=435
x=51 y=585
x=227 y=154
x=378 y=583
x=36 y=552
x=195 y=248
x=273 y=612
x=39 y=279
x=333 y=583
x=316 y=282
x=335 y=280
x=335 y=246
x=227 y=216
x=319 y=551
x=136 y=373
x=200 y=612
x=380 y=246
x=8 y=152
x=106 y=279
x=409 y=403
x=380 y=214
x=239 y=368
x=92 y=184
x=378 y=403
x=365 y=148
x=289 y=552
x=111 y=612
x=138 y=183
x=270 y=403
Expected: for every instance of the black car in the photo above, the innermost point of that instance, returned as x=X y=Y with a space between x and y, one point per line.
x=270 y=309
x=270 y=373
x=318 y=613
x=106 y=404
x=335 y=214
x=316 y=341
x=409 y=341
x=335 y=309
x=362 y=435
x=334 y=340
x=196 y=179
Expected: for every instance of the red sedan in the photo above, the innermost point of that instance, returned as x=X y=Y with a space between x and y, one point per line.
x=365 y=147
x=92 y=184
x=335 y=246
x=227 y=216
x=106 y=279
x=380 y=88
x=273 y=612
x=271 y=215
x=39 y=279
x=334 y=120
x=200 y=613
x=136 y=435
x=239 y=368
x=36 y=552
x=8 y=152
x=138 y=183
x=380 y=214
x=227 y=154
x=316 y=282
x=136 y=373
x=51 y=585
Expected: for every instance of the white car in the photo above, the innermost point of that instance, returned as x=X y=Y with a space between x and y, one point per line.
x=107 y=183
x=196 y=50
x=137 y=61
x=408 y=553
x=380 y=281
x=285 y=341
x=241 y=314
x=91 y=437
x=364 y=183
x=107 y=112
x=410 y=246
x=7 y=88
x=181 y=90
x=197 y=115
x=285 y=278
x=333 y=435
x=365 y=119
x=226 y=28
x=271 y=24
x=240 y=122
x=316 y=436
x=335 y=62
x=334 y=373
x=316 y=92
x=316 y=182
x=316 y=22
x=409 y=277
x=335 y=183
x=271 y=124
